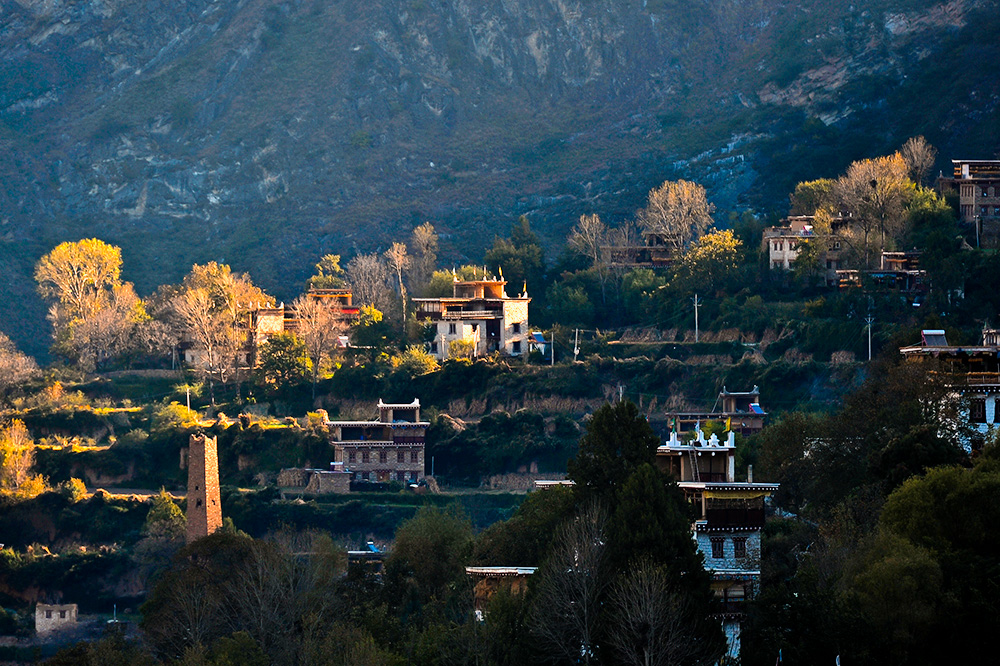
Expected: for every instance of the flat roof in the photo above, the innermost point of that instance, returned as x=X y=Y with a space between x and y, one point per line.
x=500 y=571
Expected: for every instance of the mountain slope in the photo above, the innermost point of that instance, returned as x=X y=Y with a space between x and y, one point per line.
x=266 y=134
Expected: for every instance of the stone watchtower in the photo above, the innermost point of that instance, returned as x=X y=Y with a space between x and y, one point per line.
x=204 y=507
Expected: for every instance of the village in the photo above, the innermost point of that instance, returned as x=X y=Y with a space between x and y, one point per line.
x=443 y=457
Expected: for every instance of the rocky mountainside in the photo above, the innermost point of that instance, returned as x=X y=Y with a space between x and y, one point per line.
x=266 y=133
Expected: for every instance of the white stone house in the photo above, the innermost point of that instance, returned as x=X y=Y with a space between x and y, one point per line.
x=481 y=313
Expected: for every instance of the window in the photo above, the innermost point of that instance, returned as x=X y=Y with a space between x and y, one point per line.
x=364 y=476
x=451 y=329
x=62 y=615
x=414 y=457
x=413 y=476
x=434 y=348
x=383 y=456
x=740 y=547
x=516 y=347
x=365 y=458
x=400 y=457
x=717 y=545
x=352 y=456
x=401 y=476
x=48 y=615
x=977 y=410
x=515 y=327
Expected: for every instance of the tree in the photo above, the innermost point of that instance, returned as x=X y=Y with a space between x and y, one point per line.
x=423 y=249
x=566 y=616
x=519 y=258
x=431 y=550
x=678 y=212
x=329 y=274
x=441 y=284
x=710 y=263
x=282 y=361
x=93 y=313
x=617 y=441
x=525 y=538
x=16 y=368
x=319 y=327
x=919 y=157
x=589 y=237
x=211 y=308
x=875 y=193
x=650 y=622
x=398 y=261
x=212 y=332
x=17 y=456
x=812 y=196
x=371 y=331
x=415 y=361
x=368 y=276
x=79 y=276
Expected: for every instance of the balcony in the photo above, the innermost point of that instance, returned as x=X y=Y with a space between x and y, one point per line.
x=472 y=314
x=982 y=378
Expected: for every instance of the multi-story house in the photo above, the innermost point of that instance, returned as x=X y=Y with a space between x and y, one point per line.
x=970 y=372
x=740 y=409
x=729 y=515
x=784 y=243
x=389 y=448
x=977 y=183
x=479 y=313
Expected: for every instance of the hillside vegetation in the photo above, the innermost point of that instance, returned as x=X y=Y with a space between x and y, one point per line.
x=266 y=134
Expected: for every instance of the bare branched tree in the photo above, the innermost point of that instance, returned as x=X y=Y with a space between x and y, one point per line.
x=320 y=325
x=648 y=620
x=368 y=276
x=566 y=616
x=589 y=237
x=919 y=156
x=423 y=250
x=678 y=211
x=398 y=261
x=16 y=368
x=212 y=332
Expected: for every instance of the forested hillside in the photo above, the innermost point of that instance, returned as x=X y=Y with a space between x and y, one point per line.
x=266 y=134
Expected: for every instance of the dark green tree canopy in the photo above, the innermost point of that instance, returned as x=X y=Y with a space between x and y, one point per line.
x=618 y=440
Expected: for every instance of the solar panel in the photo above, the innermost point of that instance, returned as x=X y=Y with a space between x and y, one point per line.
x=933 y=338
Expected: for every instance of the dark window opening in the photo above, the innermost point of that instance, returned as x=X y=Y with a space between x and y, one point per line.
x=977 y=411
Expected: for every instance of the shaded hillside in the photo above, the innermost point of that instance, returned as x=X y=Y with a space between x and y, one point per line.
x=265 y=134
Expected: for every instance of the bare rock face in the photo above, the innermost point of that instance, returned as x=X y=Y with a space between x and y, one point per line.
x=266 y=133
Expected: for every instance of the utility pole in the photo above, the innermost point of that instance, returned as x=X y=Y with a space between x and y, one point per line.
x=576 y=345
x=188 y=387
x=696 y=302
x=869 y=319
